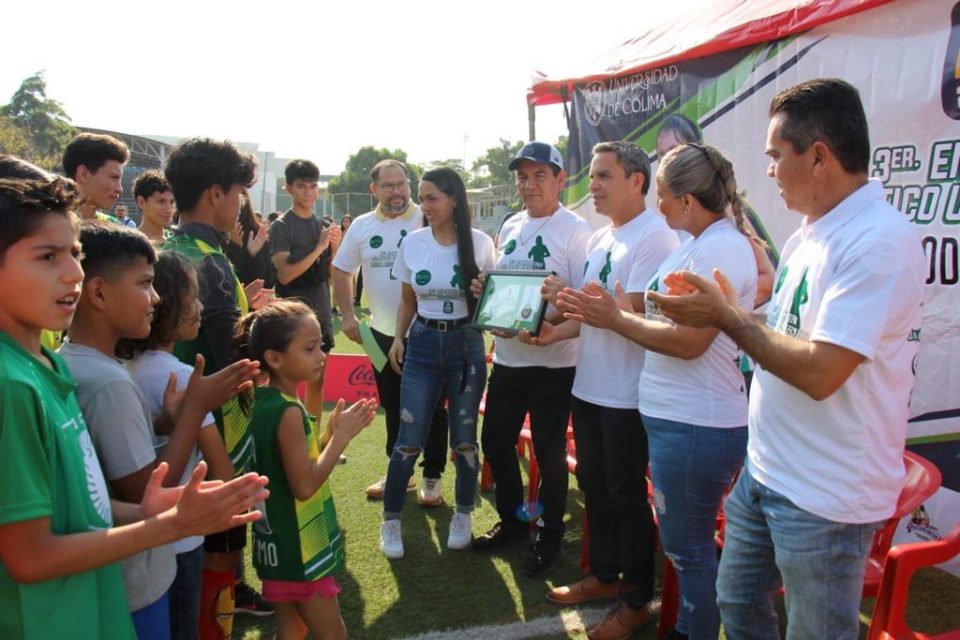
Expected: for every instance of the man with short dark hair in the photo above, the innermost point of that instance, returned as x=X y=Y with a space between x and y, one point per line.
x=829 y=406
x=371 y=243
x=95 y=162
x=547 y=237
x=154 y=198
x=301 y=245
x=611 y=440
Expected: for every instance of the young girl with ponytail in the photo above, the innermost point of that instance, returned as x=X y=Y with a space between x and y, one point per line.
x=297 y=546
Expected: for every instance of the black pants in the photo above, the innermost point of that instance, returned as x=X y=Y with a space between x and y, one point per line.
x=611 y=470
x=545 y=393
x=318 y=299
x=388 y=388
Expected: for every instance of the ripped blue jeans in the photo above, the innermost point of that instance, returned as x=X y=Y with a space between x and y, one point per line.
x=692 y=466
x=437 y=361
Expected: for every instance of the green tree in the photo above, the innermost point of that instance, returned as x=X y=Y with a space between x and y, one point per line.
x=453 y=163
x=561 y=144
x=42 y=121
x=355 y=177
x=491 y=167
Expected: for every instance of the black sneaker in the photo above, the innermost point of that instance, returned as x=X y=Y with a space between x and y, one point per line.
x=248 y=601
x=543 y=553
x=501 y=535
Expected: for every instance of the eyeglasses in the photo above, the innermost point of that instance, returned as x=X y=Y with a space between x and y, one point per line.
x=394 y=186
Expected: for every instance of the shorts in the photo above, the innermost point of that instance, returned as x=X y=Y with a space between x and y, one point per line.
x=230 y=540
x=289 y=591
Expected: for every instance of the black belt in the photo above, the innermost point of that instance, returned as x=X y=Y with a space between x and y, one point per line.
x=444 y=325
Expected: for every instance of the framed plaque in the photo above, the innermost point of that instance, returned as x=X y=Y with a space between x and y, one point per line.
x=511 y=301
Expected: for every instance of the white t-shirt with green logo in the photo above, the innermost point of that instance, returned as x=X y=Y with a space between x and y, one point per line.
x=609 y=365
x=557 y=243
x=434 y=272
x=853 y=278
x=373 y=243
x=707 y=391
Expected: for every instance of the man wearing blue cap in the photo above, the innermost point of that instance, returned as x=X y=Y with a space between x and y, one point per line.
x=548 y=237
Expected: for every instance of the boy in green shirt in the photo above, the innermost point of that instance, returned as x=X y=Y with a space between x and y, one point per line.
x=60 y=533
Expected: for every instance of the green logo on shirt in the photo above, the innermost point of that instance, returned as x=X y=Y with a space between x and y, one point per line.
x=539 y=254
x=376 y=242
x=510 y=248
x=605 y=271
x=800 y=297
x=448 y=306
x=403 y=234
x=422 y=277
x=457 y=279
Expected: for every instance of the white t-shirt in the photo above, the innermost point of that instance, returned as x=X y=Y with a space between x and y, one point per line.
x=433 y=271
x=151 y=371
x=853 y=278
x=707 y=391
x=372 y=242
x=609 y=365
x=557 y=243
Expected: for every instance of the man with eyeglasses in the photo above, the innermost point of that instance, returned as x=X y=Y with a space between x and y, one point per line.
x=547 y=237
x=371 y=243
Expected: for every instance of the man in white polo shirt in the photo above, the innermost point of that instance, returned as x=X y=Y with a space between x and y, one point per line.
x=371 y=243
x=547 y=237
x=829 y=404
x=611 y=439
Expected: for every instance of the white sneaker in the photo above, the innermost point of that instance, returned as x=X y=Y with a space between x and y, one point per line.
x=429 y=494
x=391 y=540
x=460 y=527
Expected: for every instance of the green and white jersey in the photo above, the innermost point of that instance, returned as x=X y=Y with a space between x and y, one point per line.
x=49 y=469
x=295 y=541
x=433 y=271
x=232 y=421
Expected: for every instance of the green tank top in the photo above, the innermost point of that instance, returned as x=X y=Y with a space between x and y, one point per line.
x=295 y=541
x=232 y=421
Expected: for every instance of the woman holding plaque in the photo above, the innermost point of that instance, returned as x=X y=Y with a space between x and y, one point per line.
x=442 y=354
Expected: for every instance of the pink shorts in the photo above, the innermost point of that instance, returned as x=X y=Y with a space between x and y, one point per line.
x=288 y=591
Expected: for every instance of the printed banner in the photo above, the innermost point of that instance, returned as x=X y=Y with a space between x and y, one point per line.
x=904 y=57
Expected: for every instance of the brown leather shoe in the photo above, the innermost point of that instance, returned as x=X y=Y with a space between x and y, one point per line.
x=620 y=623
x=584 y=590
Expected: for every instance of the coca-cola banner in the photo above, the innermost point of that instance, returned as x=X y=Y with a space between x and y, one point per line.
x=904 y=57
x=350 y=377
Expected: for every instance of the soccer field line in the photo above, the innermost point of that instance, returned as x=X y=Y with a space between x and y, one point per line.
x=562 y=624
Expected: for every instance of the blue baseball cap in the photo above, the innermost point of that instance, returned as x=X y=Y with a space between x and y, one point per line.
x=539 y=152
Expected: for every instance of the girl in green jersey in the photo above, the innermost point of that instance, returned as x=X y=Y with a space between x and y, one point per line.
x=299 y=548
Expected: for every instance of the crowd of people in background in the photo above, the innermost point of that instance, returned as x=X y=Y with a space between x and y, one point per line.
x=154 y=378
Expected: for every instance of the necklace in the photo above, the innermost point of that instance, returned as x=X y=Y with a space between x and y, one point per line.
x=534 y=233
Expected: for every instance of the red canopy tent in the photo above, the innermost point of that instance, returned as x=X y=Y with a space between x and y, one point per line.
x=729 y=24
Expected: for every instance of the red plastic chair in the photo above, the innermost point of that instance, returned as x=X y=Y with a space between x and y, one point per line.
x=922 y=481
x=889 y=614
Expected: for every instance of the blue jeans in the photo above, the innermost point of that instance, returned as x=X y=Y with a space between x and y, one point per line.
x=771 y=542
x=185 y=595
x=692 y=467
x=152 y=622
x=436 y=361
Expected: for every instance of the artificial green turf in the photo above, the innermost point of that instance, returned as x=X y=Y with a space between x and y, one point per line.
x=433 y=589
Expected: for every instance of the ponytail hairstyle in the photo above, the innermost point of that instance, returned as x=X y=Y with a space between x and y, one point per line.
x=701 y=171
x=175 y=280
x=450 y=183
x=270 y=328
